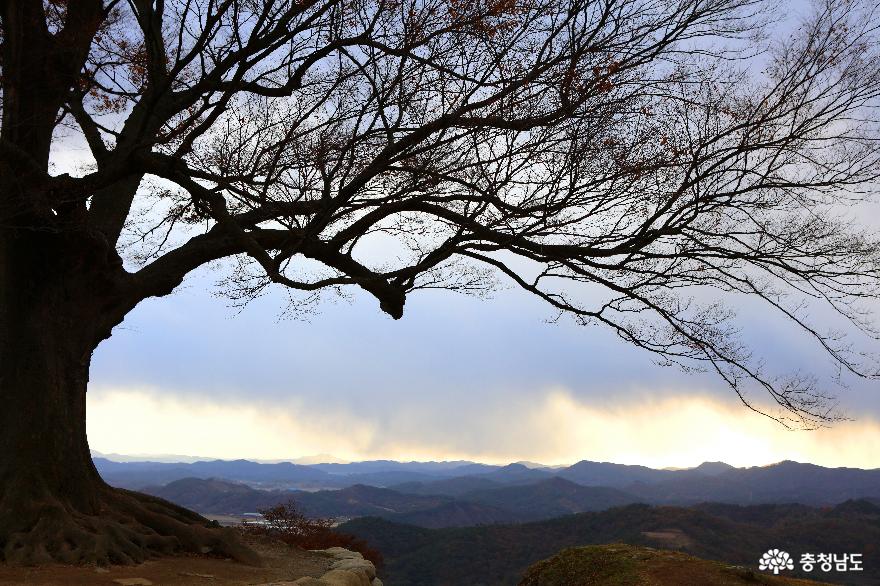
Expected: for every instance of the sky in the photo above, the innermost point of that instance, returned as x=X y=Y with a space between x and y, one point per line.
x=490 y=380
x=457 y=377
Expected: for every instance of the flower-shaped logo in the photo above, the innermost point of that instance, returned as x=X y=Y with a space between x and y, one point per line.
x=776 y=560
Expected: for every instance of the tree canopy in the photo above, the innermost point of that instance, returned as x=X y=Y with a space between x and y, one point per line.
x=616 y=158
x=643 y=165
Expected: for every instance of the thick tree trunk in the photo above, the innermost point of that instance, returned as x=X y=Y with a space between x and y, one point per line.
x=46 y=343
x=62 y=289
x=54 y=506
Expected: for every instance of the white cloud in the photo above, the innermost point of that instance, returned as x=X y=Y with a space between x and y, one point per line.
x=685 y=430
x=672 y=430
x=138 y=421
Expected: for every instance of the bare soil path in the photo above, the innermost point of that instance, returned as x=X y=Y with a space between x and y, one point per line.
x=282 y=563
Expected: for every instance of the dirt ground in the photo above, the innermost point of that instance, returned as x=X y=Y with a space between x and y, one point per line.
x=282 y=563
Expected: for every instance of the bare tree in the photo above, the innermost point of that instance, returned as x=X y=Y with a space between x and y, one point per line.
x=616 y=158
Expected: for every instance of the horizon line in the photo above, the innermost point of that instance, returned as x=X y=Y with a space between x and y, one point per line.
x=187 y=459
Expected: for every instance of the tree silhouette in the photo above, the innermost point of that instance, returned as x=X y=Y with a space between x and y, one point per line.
x=616 y=158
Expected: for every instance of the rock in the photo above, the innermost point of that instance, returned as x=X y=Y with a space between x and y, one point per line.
x=133 y=582
x=345 y=578
x=356 y=564
x=348 y=569
x=101 y=570
x=340 y=552
x=308 y=581
x=194 y=575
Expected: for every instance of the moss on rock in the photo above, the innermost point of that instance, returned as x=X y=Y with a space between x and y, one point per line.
x=626 y=565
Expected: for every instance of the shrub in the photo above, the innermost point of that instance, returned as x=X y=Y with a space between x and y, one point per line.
x=286 y=520
x=287 y=523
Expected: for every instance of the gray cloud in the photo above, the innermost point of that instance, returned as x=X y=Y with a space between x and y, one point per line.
x=448 y=351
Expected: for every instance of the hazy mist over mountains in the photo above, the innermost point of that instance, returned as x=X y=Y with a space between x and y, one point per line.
x=493 y=493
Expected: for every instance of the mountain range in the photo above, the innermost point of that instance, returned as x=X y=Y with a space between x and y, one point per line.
x=496 y=555
x=486 y=498
x=785 y=482
x=505 y=504
x=442 y=523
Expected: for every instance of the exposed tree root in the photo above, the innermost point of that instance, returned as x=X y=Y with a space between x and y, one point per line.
x=128 y=528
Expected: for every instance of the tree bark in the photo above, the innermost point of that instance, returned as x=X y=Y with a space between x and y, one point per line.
x=55 y=307
x=62 y=290
x=46 y=343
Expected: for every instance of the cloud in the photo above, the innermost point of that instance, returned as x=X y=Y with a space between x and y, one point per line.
x=446 y=345
x=686 y=430
x=553 y=427
x=141 y=421
x=458 y=377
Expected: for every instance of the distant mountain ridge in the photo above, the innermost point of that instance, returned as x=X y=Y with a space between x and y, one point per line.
x=371 y=466
x=137 y=475
x=447 y=486
x=549 y=498
x=474 y=500
x=786 y=481
x=213 y=496
x=490 y=521
x=553 y=497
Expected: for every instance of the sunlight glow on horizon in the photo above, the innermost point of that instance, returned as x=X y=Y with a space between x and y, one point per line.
x=674 y=431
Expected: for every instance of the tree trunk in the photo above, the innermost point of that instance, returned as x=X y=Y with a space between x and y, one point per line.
x=54 y=309
x=45 y=349
x=62 y=290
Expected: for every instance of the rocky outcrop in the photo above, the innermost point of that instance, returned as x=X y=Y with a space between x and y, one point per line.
x=349 y=568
